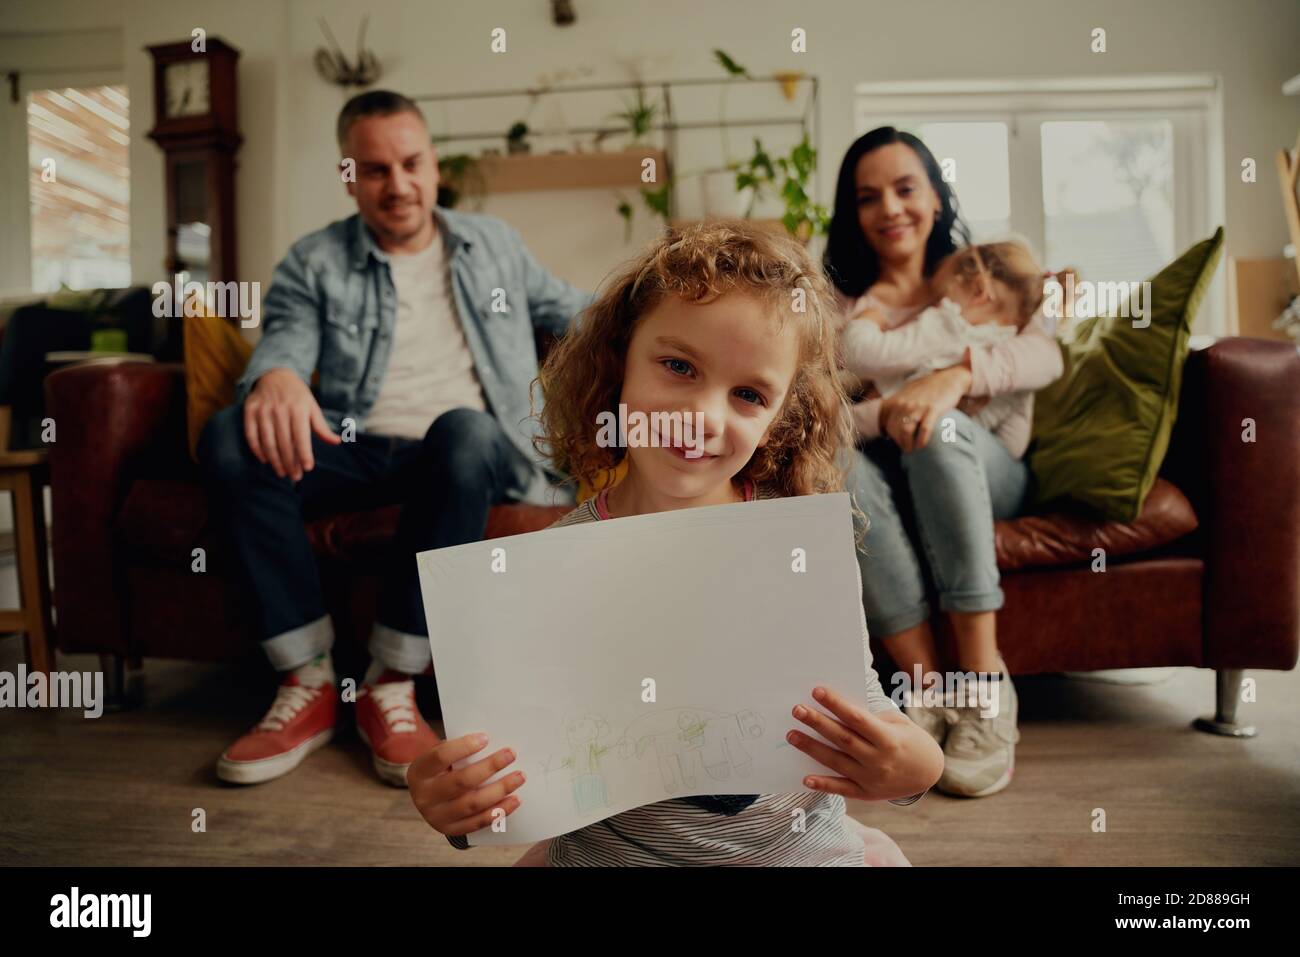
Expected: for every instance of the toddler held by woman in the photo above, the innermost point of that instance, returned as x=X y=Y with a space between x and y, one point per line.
x=983 y=294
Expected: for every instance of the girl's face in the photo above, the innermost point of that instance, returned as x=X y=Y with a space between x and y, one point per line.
x=725 y=360
x=897 y=205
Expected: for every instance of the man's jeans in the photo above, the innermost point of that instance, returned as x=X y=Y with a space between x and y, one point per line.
x=938 y=503
x=446 y=485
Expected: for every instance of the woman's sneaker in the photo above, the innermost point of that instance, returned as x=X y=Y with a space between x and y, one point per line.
x=980 y=753
x=934 y=720
x=301 y=720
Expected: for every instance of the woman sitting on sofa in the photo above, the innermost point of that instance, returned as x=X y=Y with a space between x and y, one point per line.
x=895 y=219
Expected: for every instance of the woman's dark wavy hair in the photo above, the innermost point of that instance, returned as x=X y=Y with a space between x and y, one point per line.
x=850 y=261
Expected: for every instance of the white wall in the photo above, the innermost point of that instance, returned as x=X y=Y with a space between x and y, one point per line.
x=287 y=181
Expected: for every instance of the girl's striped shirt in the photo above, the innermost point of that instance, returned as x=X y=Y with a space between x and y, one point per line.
x=755 y=830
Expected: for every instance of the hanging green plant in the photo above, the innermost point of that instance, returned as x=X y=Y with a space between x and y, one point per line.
x=625 y=211
x=757 y=174
x=658 y=201
x=734 y=70
x=638 y=115
x=787 y=177
x=731 y=66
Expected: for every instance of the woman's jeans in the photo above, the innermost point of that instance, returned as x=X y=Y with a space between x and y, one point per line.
x=931 y=514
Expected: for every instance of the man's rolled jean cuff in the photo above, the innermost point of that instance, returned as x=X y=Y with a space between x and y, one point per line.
x=399 y=650
x=289 y=649
x=972 y=602
x=892 y=624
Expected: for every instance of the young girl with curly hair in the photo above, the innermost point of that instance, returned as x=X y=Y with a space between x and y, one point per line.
x=732 y=325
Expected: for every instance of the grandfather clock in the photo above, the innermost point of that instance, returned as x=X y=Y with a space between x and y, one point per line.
x=196 y=123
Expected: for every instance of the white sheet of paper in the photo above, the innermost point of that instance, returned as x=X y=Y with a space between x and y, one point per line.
x=552 y=655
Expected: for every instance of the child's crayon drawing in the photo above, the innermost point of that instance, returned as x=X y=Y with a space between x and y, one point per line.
x=687 y=740
x=583 y=753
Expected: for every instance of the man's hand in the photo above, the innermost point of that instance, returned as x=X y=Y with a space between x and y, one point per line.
x=280 y=414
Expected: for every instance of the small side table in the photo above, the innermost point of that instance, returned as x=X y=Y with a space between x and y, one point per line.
x=24 y=475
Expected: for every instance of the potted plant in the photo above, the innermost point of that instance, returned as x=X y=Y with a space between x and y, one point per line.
x=460 y=176
x=515 y=139
x=639 y=116
x=785 y=178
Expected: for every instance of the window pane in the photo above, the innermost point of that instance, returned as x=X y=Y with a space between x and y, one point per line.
x=979 y=159
x=1108 y=197
x=80 y=188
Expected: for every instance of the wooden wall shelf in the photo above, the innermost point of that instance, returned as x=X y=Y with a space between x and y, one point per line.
x=529 y=172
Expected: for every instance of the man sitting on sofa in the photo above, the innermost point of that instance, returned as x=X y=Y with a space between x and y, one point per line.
x=420 y=322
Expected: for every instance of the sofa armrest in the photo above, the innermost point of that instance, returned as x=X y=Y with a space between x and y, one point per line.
x=1252 y=490
x=112 y=423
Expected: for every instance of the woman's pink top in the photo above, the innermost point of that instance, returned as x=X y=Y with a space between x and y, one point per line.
x=1028 y=361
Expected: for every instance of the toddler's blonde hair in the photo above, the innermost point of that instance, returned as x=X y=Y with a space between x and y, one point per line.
x=1010 y=262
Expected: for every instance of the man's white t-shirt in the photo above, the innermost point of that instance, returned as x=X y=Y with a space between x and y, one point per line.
x=430 y=368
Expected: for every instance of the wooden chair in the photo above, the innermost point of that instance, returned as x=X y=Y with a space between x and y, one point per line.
x=24 y=474
x=1288 y=173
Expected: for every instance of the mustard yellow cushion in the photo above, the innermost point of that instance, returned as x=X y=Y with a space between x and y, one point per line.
x=215 y=357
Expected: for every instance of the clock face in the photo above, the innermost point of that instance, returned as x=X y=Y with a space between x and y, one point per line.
x=186 y=87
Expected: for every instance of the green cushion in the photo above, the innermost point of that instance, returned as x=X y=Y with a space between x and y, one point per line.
x=1101 y=430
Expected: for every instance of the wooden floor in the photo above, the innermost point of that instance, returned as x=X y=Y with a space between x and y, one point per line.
x=122 y=789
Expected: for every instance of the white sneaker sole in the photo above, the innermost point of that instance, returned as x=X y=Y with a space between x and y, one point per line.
x=267 y=769
x=389 y=773
x=998 y=785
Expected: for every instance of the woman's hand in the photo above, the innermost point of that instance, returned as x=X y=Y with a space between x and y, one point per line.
x=875 y=758
x=908 y=416
x=457 y=802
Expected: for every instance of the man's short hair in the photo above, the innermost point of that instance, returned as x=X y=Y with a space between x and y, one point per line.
x=373 y=103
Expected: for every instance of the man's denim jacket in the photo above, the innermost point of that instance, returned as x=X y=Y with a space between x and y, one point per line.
x=332 y=307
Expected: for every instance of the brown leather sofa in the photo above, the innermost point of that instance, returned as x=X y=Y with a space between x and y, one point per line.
x=1208 y=576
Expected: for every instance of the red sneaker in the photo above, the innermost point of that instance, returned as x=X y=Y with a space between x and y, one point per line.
x=391 y=726
x=301 y=720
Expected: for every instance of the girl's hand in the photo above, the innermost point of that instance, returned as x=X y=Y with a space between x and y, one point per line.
x=456 y=802
x=909 y=415
x=875 y=758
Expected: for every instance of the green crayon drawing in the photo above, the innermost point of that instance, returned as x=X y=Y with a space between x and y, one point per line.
x=687 y=740
x=681 y=741
x=584 y=751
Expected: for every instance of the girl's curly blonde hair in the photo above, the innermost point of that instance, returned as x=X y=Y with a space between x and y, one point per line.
x=583 y=373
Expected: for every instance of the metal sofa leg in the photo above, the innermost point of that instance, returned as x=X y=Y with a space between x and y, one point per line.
x=1227 y=695
x=123 y=683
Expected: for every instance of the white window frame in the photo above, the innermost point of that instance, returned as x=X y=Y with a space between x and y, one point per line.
x=15 y=196
x=1193 y=103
